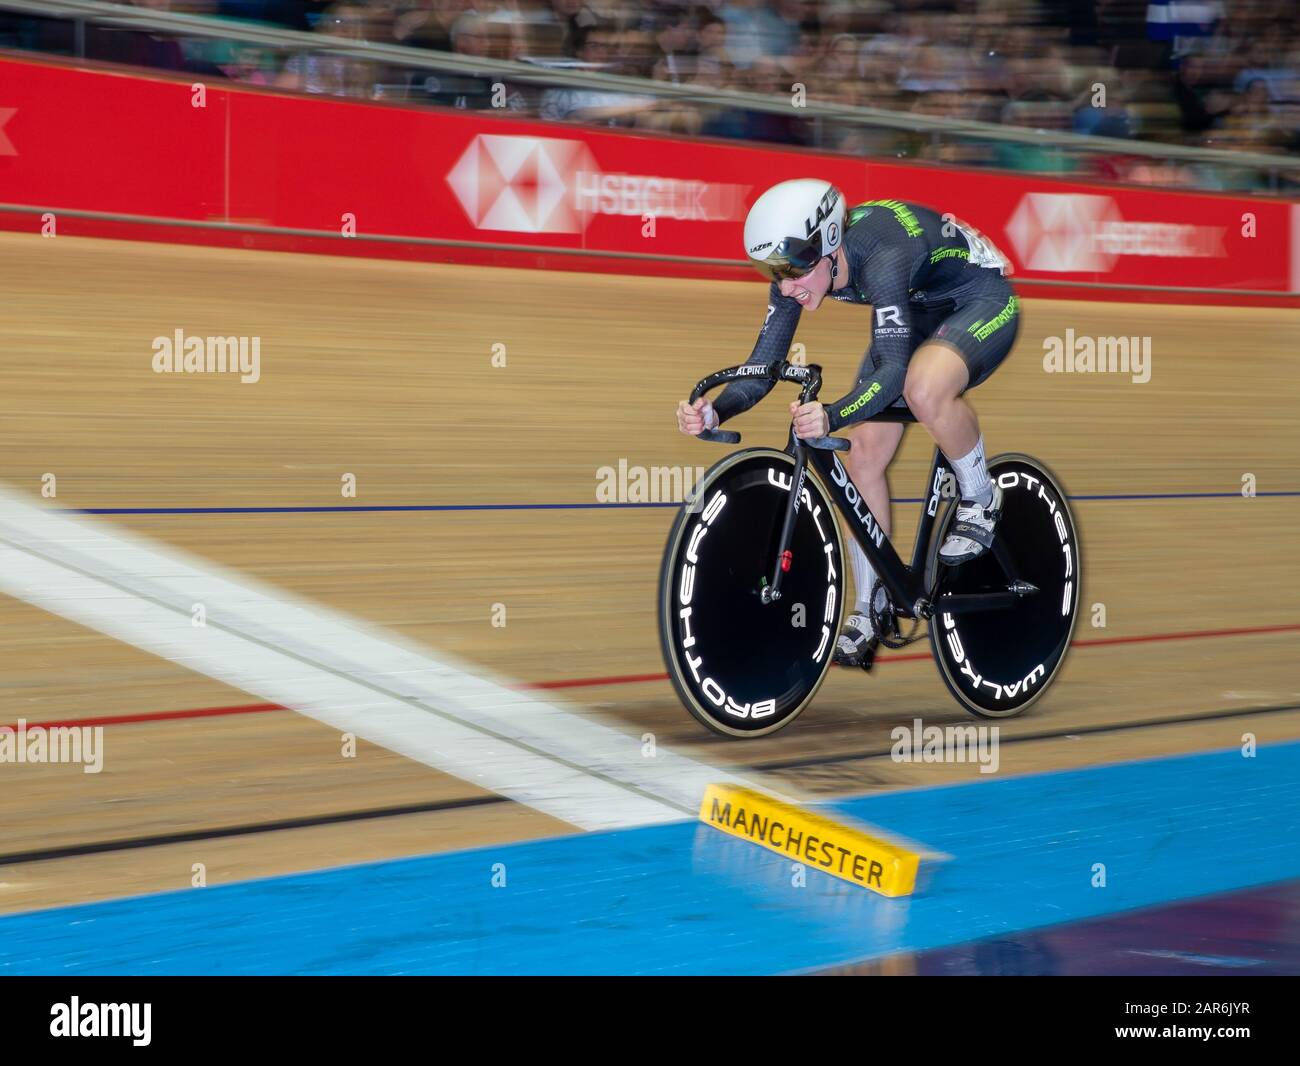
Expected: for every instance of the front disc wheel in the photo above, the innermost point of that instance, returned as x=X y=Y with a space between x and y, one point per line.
x=744 y=667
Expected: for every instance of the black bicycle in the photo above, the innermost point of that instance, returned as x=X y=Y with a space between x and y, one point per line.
x=752 y=581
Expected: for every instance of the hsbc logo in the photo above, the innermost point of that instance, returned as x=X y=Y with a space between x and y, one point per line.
x=549 y=185
x=520 y=184
x=1082 y=233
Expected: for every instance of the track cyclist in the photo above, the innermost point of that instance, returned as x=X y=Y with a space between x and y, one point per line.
x=945 y=318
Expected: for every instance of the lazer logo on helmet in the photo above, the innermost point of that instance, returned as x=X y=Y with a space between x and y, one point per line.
x=824 y=210
x=760 y=247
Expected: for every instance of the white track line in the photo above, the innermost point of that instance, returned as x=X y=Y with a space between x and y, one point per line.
x=343 y=672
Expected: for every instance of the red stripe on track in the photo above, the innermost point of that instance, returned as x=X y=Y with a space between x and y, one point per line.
x=1194 y=635
x=584 y=682
x=623 y=679
x=154 y=716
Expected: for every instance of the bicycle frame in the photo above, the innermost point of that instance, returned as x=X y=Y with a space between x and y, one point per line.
x=906 y=584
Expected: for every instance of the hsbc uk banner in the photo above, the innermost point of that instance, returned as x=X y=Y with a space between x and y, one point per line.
x=432 y=183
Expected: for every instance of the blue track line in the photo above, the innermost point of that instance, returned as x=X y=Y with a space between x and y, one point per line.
x=372 y=508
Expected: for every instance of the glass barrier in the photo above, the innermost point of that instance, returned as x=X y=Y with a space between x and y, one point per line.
x=860 y=110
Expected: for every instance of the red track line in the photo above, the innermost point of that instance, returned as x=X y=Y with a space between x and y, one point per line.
x=584 y=682
x=153 y=716
x=625 y=679
x=1193 y=635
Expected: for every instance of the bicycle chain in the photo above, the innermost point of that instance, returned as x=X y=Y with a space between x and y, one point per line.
x=883 y=622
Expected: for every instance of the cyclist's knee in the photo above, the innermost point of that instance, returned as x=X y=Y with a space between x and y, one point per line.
x=873 y=449
x=928 y=396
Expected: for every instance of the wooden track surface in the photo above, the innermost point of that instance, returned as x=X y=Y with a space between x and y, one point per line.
x=384 y=371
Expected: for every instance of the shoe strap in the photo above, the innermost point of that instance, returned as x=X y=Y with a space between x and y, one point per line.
x=971 y=531
x=861 y=625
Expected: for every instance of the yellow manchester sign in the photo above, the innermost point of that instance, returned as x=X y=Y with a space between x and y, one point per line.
x=842 y=850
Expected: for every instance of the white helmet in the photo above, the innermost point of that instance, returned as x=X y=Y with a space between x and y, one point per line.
x=793 y=225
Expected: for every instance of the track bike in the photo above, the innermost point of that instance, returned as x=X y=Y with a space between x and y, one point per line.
x=751 y=589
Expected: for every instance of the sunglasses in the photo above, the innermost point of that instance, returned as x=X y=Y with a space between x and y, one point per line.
x=793 y=258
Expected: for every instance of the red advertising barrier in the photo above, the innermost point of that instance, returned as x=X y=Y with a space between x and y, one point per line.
x=154 y=157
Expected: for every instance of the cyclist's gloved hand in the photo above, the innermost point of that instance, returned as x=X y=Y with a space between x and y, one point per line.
x=694 y=418
x=810 y=420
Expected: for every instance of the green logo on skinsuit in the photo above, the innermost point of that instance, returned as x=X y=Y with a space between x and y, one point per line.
x=864 y=398
x=982 y=330
x=901 y=211
x=949 y=253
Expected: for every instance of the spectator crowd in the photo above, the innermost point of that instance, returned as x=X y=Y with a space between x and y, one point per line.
x=1216 y=73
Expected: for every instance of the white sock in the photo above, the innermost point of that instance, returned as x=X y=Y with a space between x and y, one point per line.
x=973 y=475
x=864 y=579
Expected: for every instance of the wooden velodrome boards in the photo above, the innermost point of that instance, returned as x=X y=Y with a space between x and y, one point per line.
x=453 y=386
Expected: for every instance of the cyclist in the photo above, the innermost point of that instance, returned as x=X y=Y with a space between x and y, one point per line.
x=945 y=318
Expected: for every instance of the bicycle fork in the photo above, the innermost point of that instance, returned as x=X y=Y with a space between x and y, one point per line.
x=771 y=591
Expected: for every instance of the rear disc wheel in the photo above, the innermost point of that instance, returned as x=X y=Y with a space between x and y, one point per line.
x=998 y=662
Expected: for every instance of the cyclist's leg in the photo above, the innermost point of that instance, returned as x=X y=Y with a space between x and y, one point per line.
x=874 y=445
x=963 y=352
x=936 y=378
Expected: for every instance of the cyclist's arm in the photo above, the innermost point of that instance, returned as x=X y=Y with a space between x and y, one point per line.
x=885 y=368
x=771 y=347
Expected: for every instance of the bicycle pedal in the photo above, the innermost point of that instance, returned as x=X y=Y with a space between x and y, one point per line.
x=859 y=660
x=869 y=657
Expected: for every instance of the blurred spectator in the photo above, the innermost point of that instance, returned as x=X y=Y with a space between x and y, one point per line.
x=712 y=36
x=327 y=73
x=291 y=14
x=596 y=50
x=428 y=24
x=249 y=64
x=136 y=47
x=674 y=45
x=1041 y=113
x=1182 y=23
x=755 y=31
x=1276 y=72
x=1218 y=72
x=1252 y=124
x=576 y=18
x=1201 y=104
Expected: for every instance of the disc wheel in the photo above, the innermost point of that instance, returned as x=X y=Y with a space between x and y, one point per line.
x=742 y=667
x=998 y=662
